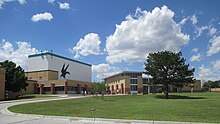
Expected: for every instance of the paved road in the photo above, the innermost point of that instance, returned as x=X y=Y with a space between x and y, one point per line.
x=7 y=117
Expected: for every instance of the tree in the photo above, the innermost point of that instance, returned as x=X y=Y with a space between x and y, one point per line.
x=15 y=79
x=103 y=87
x=93 y=88
x=169 y=68
x=210 y=84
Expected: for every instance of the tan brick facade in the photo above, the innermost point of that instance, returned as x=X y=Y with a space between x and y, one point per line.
x=133 y=82
x=42 y=75
x=196 y=87
x=121 y=83
x=46 y=82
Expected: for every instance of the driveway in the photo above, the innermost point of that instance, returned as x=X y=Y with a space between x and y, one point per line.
x=7 y=117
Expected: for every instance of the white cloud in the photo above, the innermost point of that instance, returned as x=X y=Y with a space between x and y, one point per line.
x=214 y=46
x=194 y=19
x=184 y=20
x=22 y=1
x=19 y=55
x=90 y=44
x=210 y=73
x=199 y=30
x=195 y=58
x=42 y=16
x=145 y=32
x=216 y=65
x=104 y=70
x=212 y=31
x=51 y=1
x=195 y=50
x=2 y=2
x=64 y=5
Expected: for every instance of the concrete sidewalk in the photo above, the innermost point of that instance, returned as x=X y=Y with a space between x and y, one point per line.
x=7 y=117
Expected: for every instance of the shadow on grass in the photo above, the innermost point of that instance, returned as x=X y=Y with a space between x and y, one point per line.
x=177 y=97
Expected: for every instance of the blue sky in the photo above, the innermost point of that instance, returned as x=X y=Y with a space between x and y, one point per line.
x=87 y=31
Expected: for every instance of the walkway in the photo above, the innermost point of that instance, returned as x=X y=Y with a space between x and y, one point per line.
x=7 y=117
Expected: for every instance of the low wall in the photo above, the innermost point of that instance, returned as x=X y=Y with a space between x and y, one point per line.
x=215 y=89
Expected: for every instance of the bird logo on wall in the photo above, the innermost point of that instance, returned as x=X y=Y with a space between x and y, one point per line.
x=64 y=71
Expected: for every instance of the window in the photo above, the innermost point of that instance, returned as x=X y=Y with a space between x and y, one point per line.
x=71 y=88
x=134 y=87
x=47 y=89
x=133 y=81
x=145 y=88
x=60 y=88
x=133 y=75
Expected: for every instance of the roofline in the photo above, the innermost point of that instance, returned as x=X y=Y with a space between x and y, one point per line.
x=123 y=72
x=52 y=54
x=40 y=71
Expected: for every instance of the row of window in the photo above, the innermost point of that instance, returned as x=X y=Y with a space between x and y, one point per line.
x=59 y=88
x=132 y=75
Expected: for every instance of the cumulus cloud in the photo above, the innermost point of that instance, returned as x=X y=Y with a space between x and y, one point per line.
x=18 y=54
x=195 y=50
x=194 y=19
x=214 y=46
x=199 y=30
x=2 y=2
x=104 y=70
x=210 y=73
x=145 y=32
x=42 y=16
x=212 y=31
x=64 y=5
x=195 y=58
x=88 y=45
x=184 y=20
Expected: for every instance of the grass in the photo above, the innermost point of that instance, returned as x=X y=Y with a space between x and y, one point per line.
x=186 y=107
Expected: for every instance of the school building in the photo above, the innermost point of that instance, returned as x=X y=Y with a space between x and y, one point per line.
x=49 y=73
x=130 y=82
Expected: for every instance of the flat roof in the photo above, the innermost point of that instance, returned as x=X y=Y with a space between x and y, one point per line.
x=122 y=73
x=52 y=54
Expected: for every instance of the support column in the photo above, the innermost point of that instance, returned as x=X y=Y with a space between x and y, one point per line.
x=52 y=88
x=78 y=89
x=66 y=87
x=148 y=89
x=122 y=88
x=41 y=88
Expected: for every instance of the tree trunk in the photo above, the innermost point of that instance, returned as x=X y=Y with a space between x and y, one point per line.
x=167 y=90
x=102 y=96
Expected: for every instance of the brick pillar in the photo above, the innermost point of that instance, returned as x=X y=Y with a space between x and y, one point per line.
x=66 y=87
x=122 y=88
x=78 y=88
x=52 y=88
x=41 y=88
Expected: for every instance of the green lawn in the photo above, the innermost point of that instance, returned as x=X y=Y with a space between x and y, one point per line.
x=188 y=107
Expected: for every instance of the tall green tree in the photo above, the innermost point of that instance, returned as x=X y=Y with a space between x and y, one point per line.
x=14 y=76
x=169 y=68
